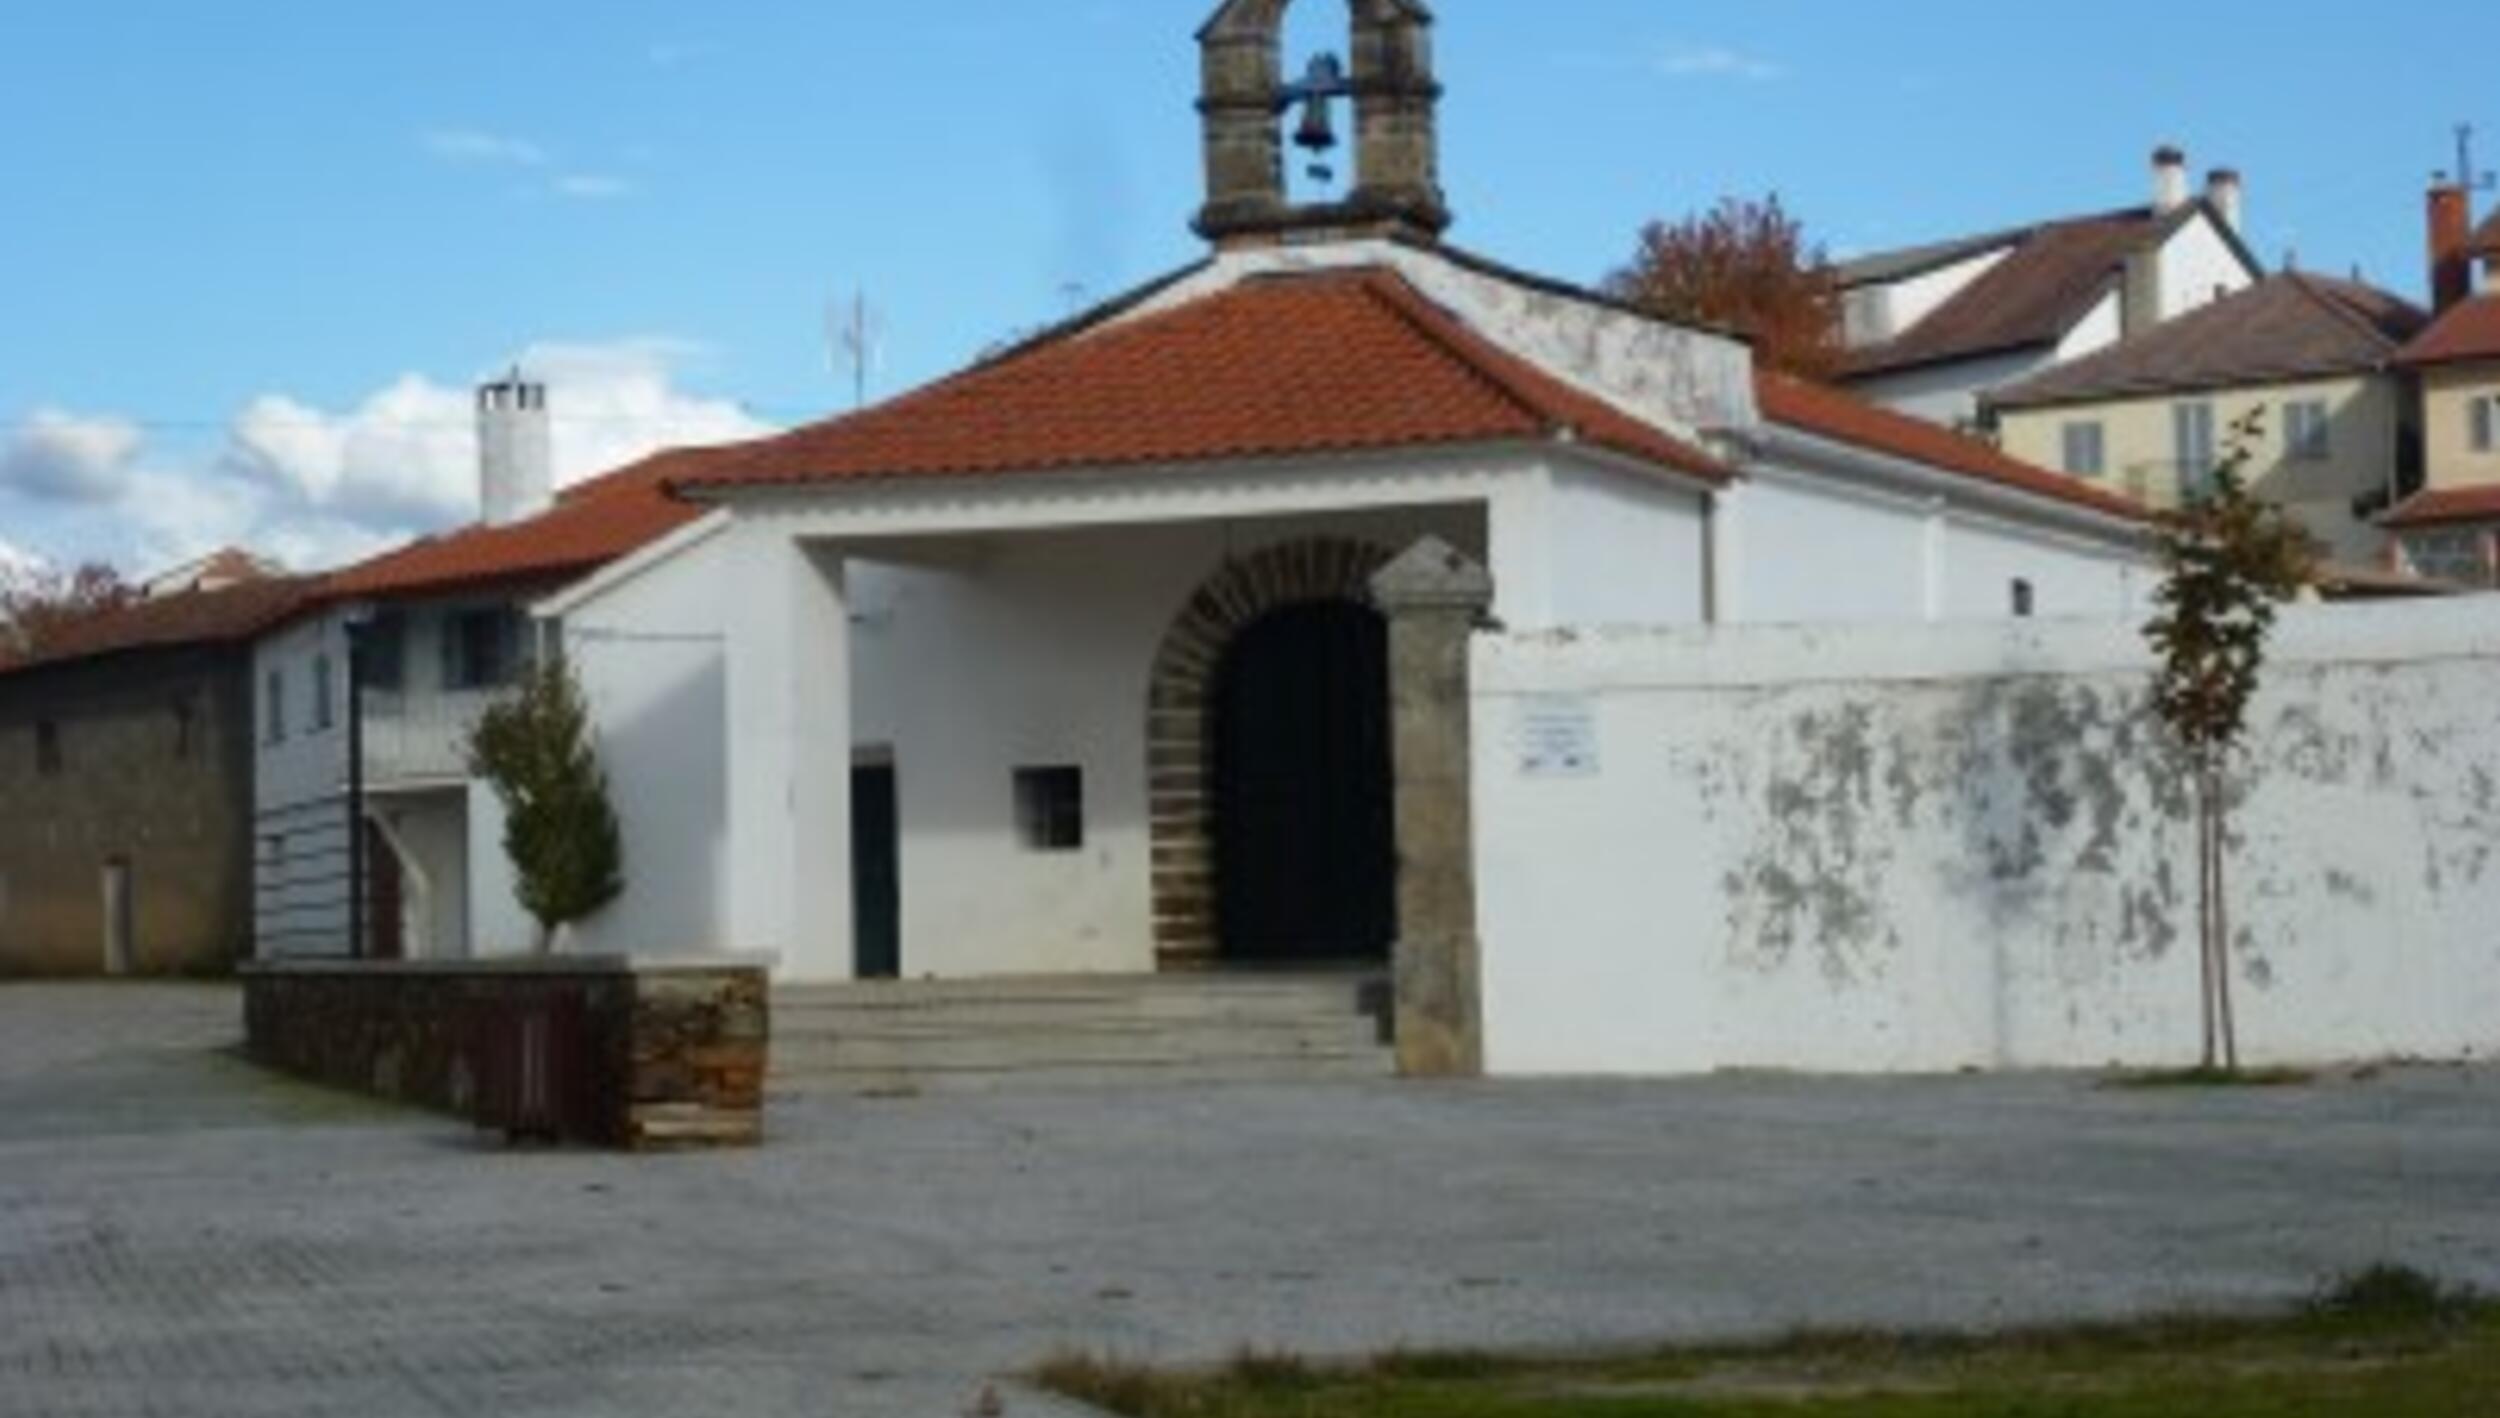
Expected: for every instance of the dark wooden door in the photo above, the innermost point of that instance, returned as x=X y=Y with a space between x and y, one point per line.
x=386 y=899
x=876 y=875
x=1305 y=843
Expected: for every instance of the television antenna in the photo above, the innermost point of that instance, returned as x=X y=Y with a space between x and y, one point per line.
x=855 y=338
x=2465 y=175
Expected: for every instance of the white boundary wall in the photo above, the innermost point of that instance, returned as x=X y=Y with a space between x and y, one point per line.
x=1926 y=848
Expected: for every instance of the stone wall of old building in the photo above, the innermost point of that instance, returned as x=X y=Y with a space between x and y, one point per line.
x=142 y=759
x=643 y=1055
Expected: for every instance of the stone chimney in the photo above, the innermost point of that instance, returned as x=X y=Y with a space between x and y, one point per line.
x=1242 y=105
x=2227 y=193
x=2170 y=180
x=516 y=454
x=2451 y=233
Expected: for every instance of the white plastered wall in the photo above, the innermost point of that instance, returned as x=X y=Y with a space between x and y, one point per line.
x=1932 y=848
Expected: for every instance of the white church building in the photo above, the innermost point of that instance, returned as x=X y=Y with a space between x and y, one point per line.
x=1067 y=663
x=1349 y=600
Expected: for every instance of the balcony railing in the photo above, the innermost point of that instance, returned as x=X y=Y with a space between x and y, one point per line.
x=421 y=737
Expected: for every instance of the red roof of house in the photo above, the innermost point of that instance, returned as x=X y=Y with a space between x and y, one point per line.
x=218 y=617
x=2445 y=506
x=1845 y=418
x=2051 y=276
x=589 y=526
x=2469 y=330
x=1281 y=366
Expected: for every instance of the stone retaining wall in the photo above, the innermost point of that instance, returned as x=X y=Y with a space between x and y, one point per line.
x=618 y=1053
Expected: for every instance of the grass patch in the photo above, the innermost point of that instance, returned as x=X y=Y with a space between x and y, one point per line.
x=2382 y=1343
x=2217 y=1078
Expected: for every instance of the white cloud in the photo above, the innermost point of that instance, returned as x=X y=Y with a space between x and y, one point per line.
x=62 y=457
x=16 y=561
x=318 y=487
x=479 y=147
x=593 y=186
x=1713 y=61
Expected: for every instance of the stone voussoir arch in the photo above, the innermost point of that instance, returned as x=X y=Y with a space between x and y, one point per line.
x=1180 y=695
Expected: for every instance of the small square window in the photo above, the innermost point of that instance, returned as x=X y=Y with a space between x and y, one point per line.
x=274 y=707
x=2084 y=450
x=2307 y=435
x=485 y=649
x=48 y=749
x=1050 y=809
x=323 y=709
x=2026 y=600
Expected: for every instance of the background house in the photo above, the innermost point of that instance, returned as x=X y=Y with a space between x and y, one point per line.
x=2313 y=357
x=1933 y=329
x=445 y=628
x=2452 y=530
x=126 y=763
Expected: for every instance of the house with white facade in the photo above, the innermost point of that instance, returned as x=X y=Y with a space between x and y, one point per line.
x=438 y=629
x=1932 y=329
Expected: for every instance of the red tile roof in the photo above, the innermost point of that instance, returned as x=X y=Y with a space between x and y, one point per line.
x=218 y=617
x=589 y=526
x=2469 y=331
x=2445 y=507
x=1844 y=418
x=2283 y=328
x=2052 y=275
x=1283 y=366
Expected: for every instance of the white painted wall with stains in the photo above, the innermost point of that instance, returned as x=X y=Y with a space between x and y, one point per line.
x=1931 y=848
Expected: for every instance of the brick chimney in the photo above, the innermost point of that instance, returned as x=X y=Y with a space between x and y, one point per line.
x=2451 y=231
x=516 y=457
x=1242 y=105
x=2170 y=179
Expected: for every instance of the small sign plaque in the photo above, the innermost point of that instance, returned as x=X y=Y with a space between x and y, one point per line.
x=1558 y=737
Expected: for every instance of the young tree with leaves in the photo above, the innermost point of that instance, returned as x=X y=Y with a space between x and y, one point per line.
x=2231 y=559
x=1744 y=266
x=534 y=746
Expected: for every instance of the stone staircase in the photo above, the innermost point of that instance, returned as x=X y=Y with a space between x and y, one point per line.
x=907 y=1037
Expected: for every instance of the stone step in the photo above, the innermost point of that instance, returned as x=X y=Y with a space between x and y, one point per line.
x=1088 y=1041
x=1100 y=989
x=911 y=1036
x=1076 y=1074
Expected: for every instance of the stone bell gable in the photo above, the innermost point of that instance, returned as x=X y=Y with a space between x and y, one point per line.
x=1245 y=100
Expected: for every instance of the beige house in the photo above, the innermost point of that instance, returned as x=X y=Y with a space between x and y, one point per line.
x=2307 y=362
x=2451 y=530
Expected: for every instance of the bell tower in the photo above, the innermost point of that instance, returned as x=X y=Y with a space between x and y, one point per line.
x=1245 y=100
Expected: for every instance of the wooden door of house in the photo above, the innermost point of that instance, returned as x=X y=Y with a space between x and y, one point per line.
x=1305 y=838
x=876 y=874
x=386 y=898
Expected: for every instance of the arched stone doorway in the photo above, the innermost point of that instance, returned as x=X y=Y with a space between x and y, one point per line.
x=1238 y=615
x=1305 y=840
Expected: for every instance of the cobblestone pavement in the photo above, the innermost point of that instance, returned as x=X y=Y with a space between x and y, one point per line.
x=181 y=1235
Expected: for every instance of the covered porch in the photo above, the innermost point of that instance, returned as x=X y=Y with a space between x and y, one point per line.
x=1161 y=747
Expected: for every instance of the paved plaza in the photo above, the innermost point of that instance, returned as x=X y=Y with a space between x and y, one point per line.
x=182 y=1235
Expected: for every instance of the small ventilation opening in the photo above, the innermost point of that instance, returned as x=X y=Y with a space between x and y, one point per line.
x=1050 y=808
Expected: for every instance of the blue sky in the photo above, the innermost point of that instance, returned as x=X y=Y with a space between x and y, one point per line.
x=251 y=252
